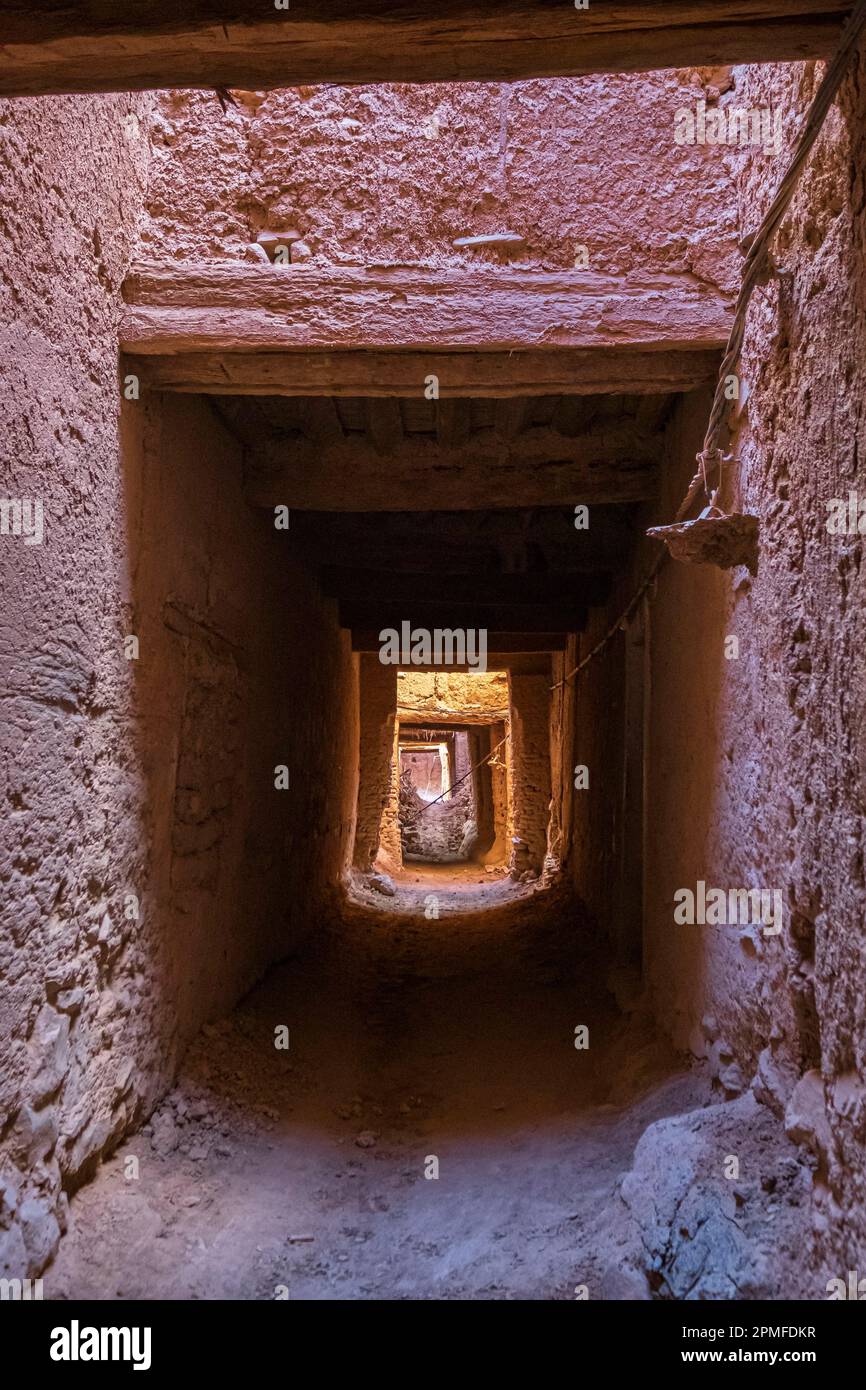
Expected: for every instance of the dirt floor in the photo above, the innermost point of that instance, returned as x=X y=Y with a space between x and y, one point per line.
x=301 y=1173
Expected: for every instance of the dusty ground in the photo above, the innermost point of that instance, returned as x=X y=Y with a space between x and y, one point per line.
x=269 y=1173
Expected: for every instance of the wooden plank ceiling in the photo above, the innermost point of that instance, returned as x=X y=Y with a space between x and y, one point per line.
x=457 y=513
x=379 y=454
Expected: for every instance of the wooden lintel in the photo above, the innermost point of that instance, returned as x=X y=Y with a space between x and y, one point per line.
x=100 y=45
x=411 y=715
x=521 y=372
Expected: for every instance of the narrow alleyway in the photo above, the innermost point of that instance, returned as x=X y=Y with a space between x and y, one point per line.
x=433 y=651
x=301 y=1174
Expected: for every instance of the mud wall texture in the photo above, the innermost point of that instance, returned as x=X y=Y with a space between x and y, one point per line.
x=243 y=681
x=378 y=733
x=756 y=776
x=162 y=654
x=530 y=770
x=390 y=855
x=487 y=829
x=693 y=831
x=598 y=752
x=803 y=627
x=500 y=849
x=396 y=173
x=72 y=181
x=438 y=695
x=562 y=773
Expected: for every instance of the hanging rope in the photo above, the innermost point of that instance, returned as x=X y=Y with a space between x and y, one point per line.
x=755 y=271
x=622 y=621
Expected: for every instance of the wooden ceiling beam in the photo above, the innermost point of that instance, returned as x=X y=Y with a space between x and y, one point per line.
x=587 y=555
x=499 y=646
x=100 y=45
x=452 y=422
x=361 y=372
x=321 y=422
x=384 y=424
x=491 y=543
x=512 y=416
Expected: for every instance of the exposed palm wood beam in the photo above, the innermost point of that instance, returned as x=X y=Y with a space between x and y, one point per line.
x=100 y=45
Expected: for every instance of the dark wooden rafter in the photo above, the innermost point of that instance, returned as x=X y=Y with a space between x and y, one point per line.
x=322 y=423
x=452 y=422
x=366 y=372
x=550 y=617
x=384 y=424
x=499 y=645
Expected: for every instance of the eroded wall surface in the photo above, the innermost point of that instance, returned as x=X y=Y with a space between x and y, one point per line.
x=246 y=716
x=377 y=742
x=802 y=626
x=437 y=695
x=530 y=770
x=162 y=656
x=756 y=768
x=72 y=183
x=396 y=173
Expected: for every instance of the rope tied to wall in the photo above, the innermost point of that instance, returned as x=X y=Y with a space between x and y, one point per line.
x=718 y=537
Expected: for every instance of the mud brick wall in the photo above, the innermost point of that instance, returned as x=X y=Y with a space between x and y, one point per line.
x=378 y=698
x=150 y=869
x=530 y=742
